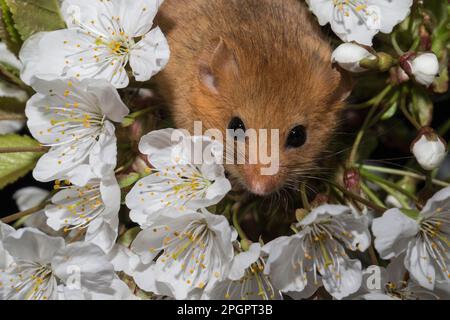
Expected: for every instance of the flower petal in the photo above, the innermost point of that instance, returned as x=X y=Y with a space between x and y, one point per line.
x=393 y=231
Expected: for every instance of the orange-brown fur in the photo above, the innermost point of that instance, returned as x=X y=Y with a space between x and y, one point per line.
x=282 y=76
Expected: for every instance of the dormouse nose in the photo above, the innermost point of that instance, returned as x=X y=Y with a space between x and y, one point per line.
x=261 y=185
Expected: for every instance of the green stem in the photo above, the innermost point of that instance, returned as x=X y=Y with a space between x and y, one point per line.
x=444 y=128
x=236 y=225
x=406 y=113
x=403 y=173
x=372 y=196
x=395 y=44
x=304 y=197
x=380 y=181
x=367 y=122
x=379 y=209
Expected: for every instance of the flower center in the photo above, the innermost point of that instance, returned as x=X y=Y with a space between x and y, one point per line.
x=322 y=248
x=254 y=283
x=83 y=208
x=434 y=232
x=350 y=5
x=184 y=185
x=34 y=281
x=368 y=15
x=192 y=247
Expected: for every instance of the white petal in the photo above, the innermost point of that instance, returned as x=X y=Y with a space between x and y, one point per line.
x=29 y=244
x=137 y=16
x=150 y=56
x=44 y=54
x=393 y=231
x=10 y=126
x=123 y=259
x=324 y=212
x=349 y=281
x=108 y=99
x=27 y=198
x=440 y=200
x=392 y=12
x=88 y=262
x=323 y=9
x=243 y=261
x=420 y=264
x=8 y=58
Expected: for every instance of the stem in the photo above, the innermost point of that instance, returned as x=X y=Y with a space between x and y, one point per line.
x=371 y=194
x=13 y=117
x=380 y=181
x=396 y=46
x=403 y=173
x=407 y=114
x=22 y=214
x=367 y=122
x=380 y=209
x=24 y=149
x=373 y=255
x=395 y=194
x=236 y=225
x=360 y=136
x=304 y=197
x=444 y=128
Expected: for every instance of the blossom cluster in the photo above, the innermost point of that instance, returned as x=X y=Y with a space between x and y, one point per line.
x=185 y=243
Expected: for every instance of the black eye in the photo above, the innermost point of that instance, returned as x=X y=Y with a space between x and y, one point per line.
x=236 y=124
x=297 y=137
x=238 y=128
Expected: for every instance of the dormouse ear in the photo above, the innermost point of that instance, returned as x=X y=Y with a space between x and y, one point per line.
x=218 y=65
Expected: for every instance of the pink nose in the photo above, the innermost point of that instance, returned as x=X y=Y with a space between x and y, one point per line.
x=257 y=183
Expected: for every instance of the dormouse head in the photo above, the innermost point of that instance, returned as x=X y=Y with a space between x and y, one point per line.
x=290 y=96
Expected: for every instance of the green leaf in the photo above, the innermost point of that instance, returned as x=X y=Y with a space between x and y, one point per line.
x=413 y=214
x=8 y=32
x=129 y=180
x=14 y=166
x=390 y=112
x=32 y=16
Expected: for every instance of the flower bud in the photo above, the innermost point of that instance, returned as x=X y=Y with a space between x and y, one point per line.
x=429 y=149
x=352 y=180
x=424 y=67
x=349 y=55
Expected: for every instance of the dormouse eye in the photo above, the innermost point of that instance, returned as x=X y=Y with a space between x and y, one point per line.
x=297 y=137
x=238 y=126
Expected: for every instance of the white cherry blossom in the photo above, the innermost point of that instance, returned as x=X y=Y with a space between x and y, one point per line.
x=75 y=119
x=192 y=250
x=246 y=280
x=360 y=20
x=45 y=268
x=102 y=38
x=316 y=254
x=425 y=240
x=94 y=208
x=175 y=182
